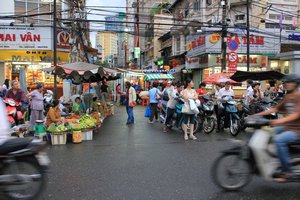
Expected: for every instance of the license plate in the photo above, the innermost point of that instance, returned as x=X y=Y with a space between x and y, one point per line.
x=43 y=159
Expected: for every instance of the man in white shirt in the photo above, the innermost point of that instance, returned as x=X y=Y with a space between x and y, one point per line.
x=225 y=91
x=249 y=92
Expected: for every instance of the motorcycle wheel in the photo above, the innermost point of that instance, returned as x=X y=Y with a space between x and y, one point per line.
x=30 y=189
x=234 y=127
x=242 y=122
x=209 y=125
x=230 y=172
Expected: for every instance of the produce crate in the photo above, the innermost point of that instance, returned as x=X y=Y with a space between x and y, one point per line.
x=58 y=138
x=87 y=134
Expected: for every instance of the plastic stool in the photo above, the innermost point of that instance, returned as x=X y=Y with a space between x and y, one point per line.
x=145 y=102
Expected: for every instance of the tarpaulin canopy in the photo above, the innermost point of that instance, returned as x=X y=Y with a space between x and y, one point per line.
x=256 y=76
x=84 y=72
x=149 y=77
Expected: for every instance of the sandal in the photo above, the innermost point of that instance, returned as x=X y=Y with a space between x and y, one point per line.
x=193 y=137
x=282 y=177
x=186 y=138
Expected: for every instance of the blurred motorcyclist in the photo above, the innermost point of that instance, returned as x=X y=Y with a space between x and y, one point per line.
x=288 y=127
x=4 y=125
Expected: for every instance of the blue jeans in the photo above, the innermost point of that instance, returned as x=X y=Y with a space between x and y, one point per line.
x=130 y=119
x=282 y=139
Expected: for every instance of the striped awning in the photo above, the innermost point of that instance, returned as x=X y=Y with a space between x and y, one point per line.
x=149 y=77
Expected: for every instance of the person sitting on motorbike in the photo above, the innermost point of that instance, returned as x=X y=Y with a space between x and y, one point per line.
x=224 y=92
x=257 y=95
x=53 y=115
x=249 y=92
x=288 y=127
x=173 y=100
x=201 y=91
x=17 y=95
x=4 y=125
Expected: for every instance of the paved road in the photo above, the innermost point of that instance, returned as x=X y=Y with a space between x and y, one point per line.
x=140 y=162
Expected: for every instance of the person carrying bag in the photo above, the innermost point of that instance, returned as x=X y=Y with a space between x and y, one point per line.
x=189 y=94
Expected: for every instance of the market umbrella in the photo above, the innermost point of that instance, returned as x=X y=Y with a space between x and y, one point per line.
x=224 y=80
x=214 y=78
x=241 y=76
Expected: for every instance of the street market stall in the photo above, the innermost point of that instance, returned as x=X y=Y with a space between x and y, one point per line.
x=81 y=127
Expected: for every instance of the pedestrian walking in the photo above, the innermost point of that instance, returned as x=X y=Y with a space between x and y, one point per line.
x=104 y=91
x=131 y=102
x=119 y=92
x=154 y=97
x=37 y=104
x=188 y=116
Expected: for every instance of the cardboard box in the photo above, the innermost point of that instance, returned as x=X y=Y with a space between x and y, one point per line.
x=87 y=135
x=58 y=139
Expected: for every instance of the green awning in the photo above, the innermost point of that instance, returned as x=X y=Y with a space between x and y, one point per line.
x=149 y=77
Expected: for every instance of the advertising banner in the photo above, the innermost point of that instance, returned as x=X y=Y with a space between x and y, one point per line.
x=29 y=38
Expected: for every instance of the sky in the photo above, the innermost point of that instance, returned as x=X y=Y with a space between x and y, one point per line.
x=119 y=3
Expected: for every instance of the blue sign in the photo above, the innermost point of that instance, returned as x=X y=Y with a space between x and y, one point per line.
x=294 y=37
x=233 y=46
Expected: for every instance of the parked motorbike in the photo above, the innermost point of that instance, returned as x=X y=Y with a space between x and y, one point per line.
x=177 y=119
x=23 y=167
x=230 y=119
x=234 y=168
x=206 y=111
x=48 y=99
x=262 y=105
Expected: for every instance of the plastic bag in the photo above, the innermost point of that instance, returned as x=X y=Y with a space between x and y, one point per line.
x=147 y=112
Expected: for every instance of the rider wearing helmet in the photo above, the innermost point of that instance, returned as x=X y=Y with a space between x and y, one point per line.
x=288 y=127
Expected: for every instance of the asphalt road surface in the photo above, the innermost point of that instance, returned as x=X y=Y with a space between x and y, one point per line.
x=140 y=162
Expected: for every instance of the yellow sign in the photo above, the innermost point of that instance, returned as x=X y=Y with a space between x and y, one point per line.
x=33 y=56
x=214 y=38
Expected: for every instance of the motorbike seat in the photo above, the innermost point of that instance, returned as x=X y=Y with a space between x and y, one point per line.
x=12 y=145
x=297 y=142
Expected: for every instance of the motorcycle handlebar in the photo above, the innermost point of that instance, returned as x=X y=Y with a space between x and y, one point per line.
x=257 y=121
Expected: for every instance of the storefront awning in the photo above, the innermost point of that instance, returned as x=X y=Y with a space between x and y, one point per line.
x=149 y=77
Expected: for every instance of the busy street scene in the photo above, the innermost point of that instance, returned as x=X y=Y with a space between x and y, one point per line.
x=149 y=99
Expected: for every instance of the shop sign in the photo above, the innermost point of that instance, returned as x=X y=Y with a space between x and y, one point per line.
x=195 y=45
x=294 y=37
x=214 y=38
x=25 y=38
x=236 y=41
x=63 y=39
x=240 y=59
x=32 y=56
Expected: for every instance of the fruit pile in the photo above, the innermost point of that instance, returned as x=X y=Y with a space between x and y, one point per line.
x=86 y=121
x=57 y=128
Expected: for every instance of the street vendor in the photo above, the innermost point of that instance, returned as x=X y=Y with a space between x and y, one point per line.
x=53 y=115
x=76 y=106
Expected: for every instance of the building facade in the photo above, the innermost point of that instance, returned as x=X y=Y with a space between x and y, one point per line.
x=108 y=40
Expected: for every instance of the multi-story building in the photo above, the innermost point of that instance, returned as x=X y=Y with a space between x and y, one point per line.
x=196 y=34
x=108 y=40
x=26 y=42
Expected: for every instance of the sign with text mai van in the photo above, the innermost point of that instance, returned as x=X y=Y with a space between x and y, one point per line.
x=237 y=41
x=38 y=38
x=33 y=56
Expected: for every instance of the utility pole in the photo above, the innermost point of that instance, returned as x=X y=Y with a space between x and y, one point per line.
x=248 y=38
x=224 y=36
x=54 y=48
x=137 y=42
